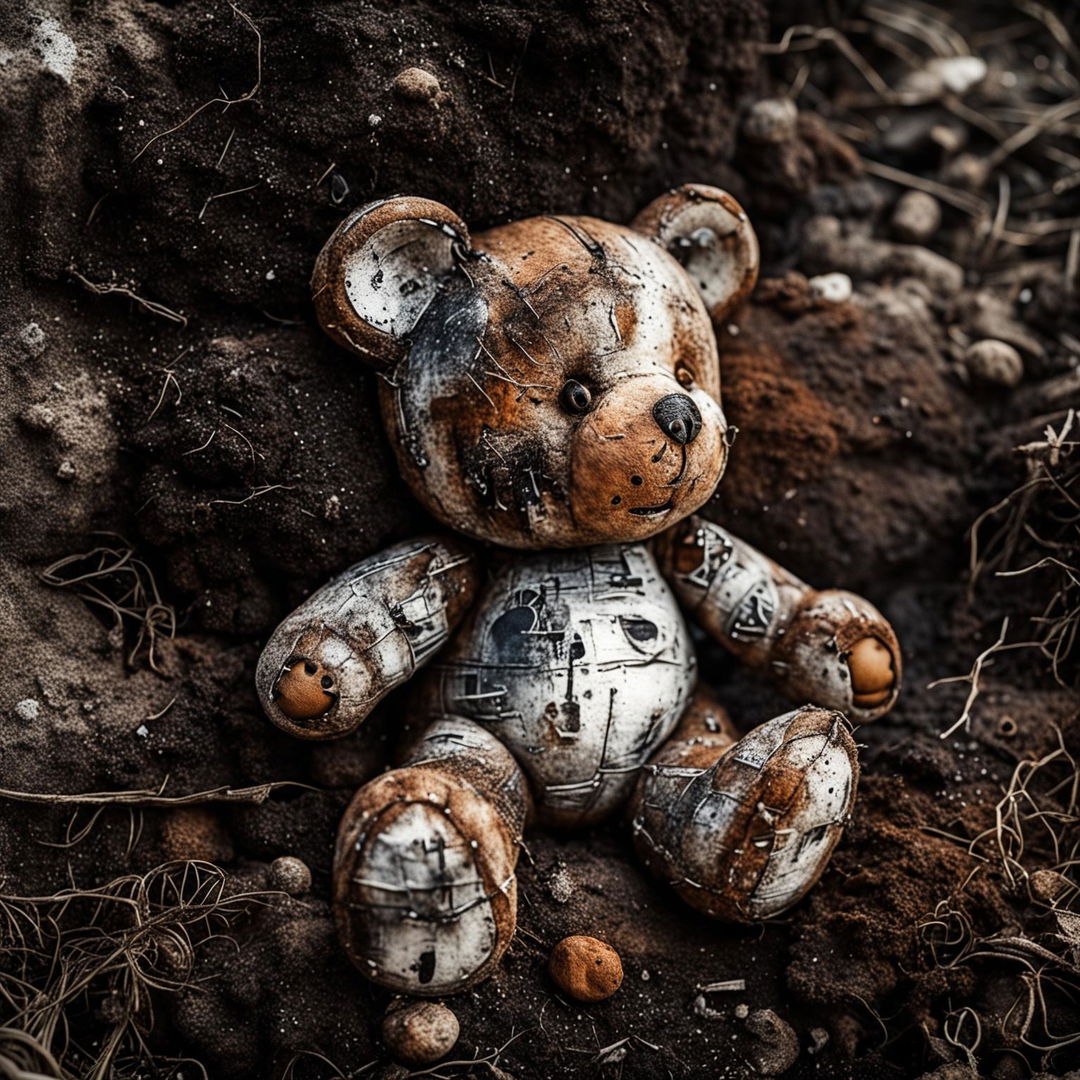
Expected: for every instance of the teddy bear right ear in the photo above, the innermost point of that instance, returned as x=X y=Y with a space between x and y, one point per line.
x=711 y=235
x=381 y=269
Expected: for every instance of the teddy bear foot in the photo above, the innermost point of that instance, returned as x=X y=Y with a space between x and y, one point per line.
x=425 y=893
x=743 y=831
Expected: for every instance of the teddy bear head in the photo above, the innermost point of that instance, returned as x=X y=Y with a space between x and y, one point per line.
x=552 y=382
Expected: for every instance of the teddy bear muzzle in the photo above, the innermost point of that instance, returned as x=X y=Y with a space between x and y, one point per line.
x=652 y=454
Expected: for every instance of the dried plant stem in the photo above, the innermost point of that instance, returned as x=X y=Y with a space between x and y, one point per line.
x=113 y=579
x=79 y=968
x=972 y=677
x=105 y=288
x=256 y=794
x=226 y=101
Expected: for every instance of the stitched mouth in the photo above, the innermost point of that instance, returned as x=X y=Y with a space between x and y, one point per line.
x=648 y=511
x=682 y=469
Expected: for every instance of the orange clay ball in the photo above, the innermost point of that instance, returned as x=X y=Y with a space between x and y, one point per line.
x=585 y=969
x=873 y=674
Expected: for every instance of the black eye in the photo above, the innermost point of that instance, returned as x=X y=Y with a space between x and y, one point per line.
x=575 y=398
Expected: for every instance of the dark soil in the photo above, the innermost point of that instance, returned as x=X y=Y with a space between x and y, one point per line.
x=169 y=410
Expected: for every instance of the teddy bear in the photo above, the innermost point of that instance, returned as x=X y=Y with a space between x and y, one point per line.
x=551 y=388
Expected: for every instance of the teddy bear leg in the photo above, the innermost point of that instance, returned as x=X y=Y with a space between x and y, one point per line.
x=424 y=889
x=351 y=642
x=743 y=828
x=828 y=647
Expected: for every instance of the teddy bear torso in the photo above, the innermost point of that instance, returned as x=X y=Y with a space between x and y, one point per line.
x=580 y=662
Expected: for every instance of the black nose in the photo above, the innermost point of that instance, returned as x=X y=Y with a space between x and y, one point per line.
x=678 y=418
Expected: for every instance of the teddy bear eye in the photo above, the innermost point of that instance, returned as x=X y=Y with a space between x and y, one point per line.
x=575 y=398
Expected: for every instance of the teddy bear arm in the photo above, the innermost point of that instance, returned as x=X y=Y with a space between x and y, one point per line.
x=351 y=642
x=829 y=647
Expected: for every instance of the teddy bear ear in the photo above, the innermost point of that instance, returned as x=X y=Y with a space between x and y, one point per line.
x=710 y=234
x=381 y=269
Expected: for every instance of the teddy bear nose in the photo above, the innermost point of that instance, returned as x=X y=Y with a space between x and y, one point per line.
x=678 y=418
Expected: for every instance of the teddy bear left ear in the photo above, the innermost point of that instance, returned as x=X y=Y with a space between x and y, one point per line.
x=711 y=235
x=381 y=269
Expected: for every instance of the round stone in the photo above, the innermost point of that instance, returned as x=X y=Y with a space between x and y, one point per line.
x=420 y=1032
x=290 y=875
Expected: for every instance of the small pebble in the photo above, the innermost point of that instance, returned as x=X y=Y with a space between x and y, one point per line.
x=958 y=74
x=290 y=875
x=332 y=508
x=921 y=83
x=994 y=362
x=32 y=338
x=419 y=1032
x=916 y=218
x=416 y=84
x=1048 y=885
x=967 y=171
x=39 y=418
x=66 y=470
x=831 y=288
x=561 y=884
x=908 y=134
x=950 y=137
x=944 y=75
x=774 y=1046
x=585 y=969
x=771 y=120
x=28 y=709
x=703 y=1010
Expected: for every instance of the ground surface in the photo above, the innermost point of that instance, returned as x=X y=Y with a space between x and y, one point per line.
x=167 y=406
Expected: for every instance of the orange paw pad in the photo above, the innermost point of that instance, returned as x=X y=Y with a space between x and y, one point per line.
x=873 y=673
x=304 y=690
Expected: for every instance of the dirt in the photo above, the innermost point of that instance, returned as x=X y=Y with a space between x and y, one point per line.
x=170 y=412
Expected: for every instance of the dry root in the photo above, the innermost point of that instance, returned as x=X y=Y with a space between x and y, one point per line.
x=114 y=581
x=79 y=968
x=1034 y=849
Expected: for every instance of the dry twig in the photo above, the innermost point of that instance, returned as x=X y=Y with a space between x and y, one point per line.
x=226 y=101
